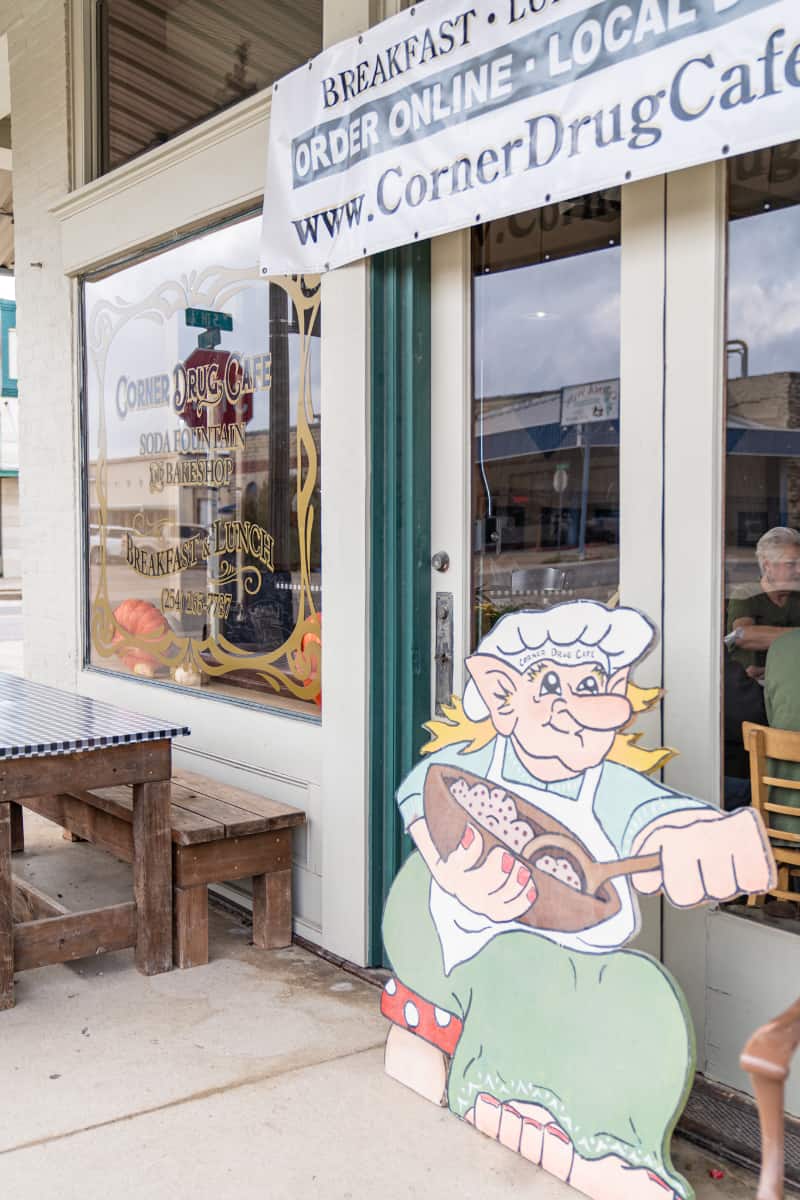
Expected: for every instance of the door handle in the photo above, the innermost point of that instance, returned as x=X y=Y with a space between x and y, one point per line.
x=440 y=561
x=443 y=650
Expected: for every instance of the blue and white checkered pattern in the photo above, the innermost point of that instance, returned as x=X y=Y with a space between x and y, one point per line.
x=36 y=720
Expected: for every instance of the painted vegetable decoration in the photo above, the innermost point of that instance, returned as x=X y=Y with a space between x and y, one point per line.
x=187 y=675
x=306 y=662
x=142 y=620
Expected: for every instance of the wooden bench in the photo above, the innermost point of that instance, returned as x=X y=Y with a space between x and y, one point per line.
x=219 y=833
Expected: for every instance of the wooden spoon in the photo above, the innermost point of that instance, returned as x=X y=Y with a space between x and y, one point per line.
x=595 y=873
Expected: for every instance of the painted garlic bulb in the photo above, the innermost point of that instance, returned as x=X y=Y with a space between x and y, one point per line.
x=187 y=676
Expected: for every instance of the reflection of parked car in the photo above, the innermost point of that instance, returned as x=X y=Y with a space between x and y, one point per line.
x=603 y=526
x=116 y=540
x=180 y=533
x=170 y=533
x=165 y=534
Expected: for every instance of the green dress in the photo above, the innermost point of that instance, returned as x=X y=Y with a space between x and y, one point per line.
x=604 y=1041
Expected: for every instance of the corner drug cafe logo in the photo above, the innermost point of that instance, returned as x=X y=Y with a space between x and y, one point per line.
x=206 y=380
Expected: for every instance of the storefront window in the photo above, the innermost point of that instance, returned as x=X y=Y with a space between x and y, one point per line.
x=202 y=444
x=546 y=407
x=762 y=495
x=164 y=65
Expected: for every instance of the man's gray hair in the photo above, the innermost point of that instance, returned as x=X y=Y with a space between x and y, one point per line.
x=771 y=544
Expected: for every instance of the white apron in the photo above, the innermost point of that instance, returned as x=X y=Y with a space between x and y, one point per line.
x=462 y=933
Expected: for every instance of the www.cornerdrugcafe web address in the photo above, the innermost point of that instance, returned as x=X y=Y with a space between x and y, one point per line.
x=699 y=87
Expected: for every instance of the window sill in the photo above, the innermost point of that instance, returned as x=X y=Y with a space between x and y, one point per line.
x=293 y=710
x=197 y=150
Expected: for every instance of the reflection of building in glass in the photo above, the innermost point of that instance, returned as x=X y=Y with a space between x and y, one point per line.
x=203 y=461
x=147 y=101
x=160 y=518
x=547 y=492
x=535 y=495
x=546 y=407
x=763 y=467
x=762 y=445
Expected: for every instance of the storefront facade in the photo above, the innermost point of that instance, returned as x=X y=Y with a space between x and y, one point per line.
x=526 y=411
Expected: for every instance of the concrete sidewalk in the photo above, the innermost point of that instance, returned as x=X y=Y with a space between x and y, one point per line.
x=259 y=1075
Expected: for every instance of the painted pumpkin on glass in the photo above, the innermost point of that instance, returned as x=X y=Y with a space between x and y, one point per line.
x=307 y=661
x=140 y=619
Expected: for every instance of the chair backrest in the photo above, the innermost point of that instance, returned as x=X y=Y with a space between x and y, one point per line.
x=763 y=743
x=768 y=1054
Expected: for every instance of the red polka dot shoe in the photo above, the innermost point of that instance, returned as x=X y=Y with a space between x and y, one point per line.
x=408 y=1010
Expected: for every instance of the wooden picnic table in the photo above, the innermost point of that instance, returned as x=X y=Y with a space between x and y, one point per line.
x=54 y=741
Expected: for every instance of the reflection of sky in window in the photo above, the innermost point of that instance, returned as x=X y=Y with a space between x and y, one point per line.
x=548 y=326
x=764 y=289
x=146 y=347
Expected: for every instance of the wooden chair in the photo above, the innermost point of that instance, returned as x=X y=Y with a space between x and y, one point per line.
x=762 y=743
x=767 y=1058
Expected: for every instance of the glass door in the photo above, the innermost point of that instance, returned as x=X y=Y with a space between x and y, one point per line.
x=545 y=511
x=730 y=552
x=530 y=458
x=525 y=421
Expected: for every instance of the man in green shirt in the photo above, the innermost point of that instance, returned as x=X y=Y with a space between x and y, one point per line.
x=756 y=621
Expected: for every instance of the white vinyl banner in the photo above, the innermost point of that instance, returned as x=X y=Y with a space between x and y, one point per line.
x=453 y=113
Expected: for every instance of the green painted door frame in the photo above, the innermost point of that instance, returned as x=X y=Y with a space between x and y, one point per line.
x=400 y=607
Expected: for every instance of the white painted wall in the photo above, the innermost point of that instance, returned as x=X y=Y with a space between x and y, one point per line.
x=451 y=438
x=641 y=448
x=345 y=566
x=60 y=233
x=204 y=175
x=46 y=353
x=692 y=540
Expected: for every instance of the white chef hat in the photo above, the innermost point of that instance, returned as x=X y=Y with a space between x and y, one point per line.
x=574 y=633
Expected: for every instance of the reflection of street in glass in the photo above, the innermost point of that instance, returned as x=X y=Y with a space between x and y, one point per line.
x=761 y=580
x=204 y=500
x=546 y=409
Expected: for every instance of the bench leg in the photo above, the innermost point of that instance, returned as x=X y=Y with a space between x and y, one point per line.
x=6 y=911
x=272 y=910
x=190 y=926
x=17 y=829
x=152 y=876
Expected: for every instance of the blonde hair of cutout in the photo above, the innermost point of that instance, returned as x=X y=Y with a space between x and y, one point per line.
x=456 y=726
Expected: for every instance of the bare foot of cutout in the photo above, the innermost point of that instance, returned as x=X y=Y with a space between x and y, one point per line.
x=611 y=1177
x=531 y=1130
x=527 y=1128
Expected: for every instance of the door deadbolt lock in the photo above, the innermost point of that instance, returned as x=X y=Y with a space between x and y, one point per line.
x=440 y=561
